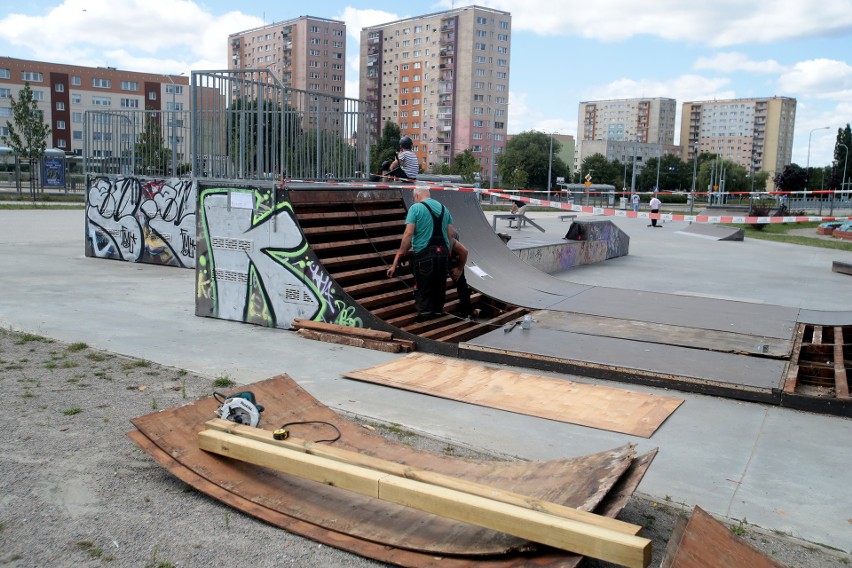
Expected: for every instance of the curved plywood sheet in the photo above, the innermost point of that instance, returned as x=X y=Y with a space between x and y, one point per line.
x=170 y=436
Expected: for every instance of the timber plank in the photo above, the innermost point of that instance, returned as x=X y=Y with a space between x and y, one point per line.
x=300 y=323
x=581 y=482
x=375 y=345
x=317 y=247
x=361 y=227
x=595 y=406
x=791 y=375
x=841 y=385
x=567 y=534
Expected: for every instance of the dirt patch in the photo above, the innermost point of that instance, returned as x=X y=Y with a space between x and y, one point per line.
x=75 y=491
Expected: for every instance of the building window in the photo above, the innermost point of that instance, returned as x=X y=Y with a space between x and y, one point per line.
x=504 y=25
x=60 y=125
x=5 y=93
x=481 y=20
x=479 y=46
x=76 y=99
x=75 y=80
x=101 y=101
x=61 y=143
x=32 y=77
x=5 y=74
x=38 y=95
x=176 y=89
x=129 y=86
x=101 y=83
x=59 y=87
x=129 y=103
x=152 y=95
x=60 y=106
x=5 y=111
x=76 y=117
x=479 y=59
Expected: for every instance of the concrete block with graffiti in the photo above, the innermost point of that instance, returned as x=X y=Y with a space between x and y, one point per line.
x=141 y=220
x=255 y=266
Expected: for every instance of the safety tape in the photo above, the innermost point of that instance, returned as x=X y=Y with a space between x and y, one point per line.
x=605 y=211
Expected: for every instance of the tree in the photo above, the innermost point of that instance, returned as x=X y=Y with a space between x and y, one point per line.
x=531 y=152
x=466 y=165
x=792 y=178
x=386 y=147
x=674 y=174
x=841 y=160
x=518 y=178
x=28 y=135
x=151 y=151
x=602 y=170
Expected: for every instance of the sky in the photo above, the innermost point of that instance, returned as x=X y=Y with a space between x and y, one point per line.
x=562 y=51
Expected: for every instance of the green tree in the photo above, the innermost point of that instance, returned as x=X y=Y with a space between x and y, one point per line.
x=531 y=152
x=792 y=178
x=602 y=170
x=466 y=165
x=385 y=147
x=518 y=178
x=151 y=151
x=675 y=174
x=28 y=135
x=841 y=160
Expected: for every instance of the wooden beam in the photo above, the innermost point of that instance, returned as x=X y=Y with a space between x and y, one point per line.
x=431 y=477
x=791 y=377
x=841 y=385
x=299 y=323
x=388 y=346
x=578 y=537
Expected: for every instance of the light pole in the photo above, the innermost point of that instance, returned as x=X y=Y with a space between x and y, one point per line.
x=491 y=172
x=808 y=166
x=659 y=159
x=694 y=174
x=845 y=159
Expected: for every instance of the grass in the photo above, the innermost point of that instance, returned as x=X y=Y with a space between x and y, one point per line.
x=136 y=364
x=79 y=346
x=778 y=232
x=72 y=411
x=30 y=337
x=223 y=382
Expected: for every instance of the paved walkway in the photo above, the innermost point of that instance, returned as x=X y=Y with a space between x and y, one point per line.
x=780 y=469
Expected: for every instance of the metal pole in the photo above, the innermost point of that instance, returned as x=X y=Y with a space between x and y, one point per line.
x=659 y=159
x=491 y=163
x=549 y=166
x=808 y=166
x=845 y=159
x=694 y=174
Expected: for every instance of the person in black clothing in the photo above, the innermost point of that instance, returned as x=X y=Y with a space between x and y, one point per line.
x=428 y=230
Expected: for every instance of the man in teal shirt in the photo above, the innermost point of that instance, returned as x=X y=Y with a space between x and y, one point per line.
x=428 y=230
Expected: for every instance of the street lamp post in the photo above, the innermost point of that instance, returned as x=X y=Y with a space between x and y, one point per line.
x=694 y=174
x=845 y=159
x=491 y=165
x=659 y=159
x=808 y=166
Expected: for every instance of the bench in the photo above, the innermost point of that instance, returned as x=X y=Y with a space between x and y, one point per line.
x=563 y=217
x=521 y=219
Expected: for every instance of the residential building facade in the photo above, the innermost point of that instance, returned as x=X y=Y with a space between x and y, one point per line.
x=754 y=133
x=443 y=78
x=646 y=120
x=65 y=92
x=305 y=53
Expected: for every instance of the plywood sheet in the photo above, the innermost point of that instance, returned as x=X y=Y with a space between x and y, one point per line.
x=605 y=408
x=707 y=543
x=581 y=482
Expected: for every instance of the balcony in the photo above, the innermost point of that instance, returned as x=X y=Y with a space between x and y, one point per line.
x=447 y=65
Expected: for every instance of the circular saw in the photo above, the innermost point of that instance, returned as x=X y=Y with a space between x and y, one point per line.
x=241 y=408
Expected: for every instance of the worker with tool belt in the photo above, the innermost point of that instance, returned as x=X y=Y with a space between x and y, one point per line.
x=428 y=230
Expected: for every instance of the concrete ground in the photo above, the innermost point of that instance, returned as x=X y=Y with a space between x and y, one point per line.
x=779 y=469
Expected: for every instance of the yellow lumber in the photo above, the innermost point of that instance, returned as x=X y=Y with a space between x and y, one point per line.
x=567 y=534
x=424 y=476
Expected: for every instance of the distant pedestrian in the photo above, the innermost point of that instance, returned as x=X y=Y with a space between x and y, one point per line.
x=655 y=208
x=635 y=200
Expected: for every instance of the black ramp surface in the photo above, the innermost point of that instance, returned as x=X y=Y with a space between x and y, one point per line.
x=512 y=280
x=617 y=358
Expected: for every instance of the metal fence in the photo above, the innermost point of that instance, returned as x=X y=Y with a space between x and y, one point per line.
x=247 y=124
x=137 y=143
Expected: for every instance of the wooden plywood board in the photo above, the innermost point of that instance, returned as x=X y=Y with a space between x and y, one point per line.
x=605 y=408
x=707 y=543
x=581 y=483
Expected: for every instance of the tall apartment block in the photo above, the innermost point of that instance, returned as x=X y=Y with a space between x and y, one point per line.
x=305 y=53
x=755 y=133
x=443 y=78
x=64 y=92
x=649 y=121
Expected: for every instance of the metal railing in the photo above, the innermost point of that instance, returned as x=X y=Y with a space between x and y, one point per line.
x=247 y=125
x=136 y=143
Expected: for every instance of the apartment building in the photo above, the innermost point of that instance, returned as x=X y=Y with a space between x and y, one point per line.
x=305 y=53
x=65 y=92
x=443 y=78
x=755 y=133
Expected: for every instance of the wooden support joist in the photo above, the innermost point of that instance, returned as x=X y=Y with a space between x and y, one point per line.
x=352 y=228
x=564 y=533
x=841 y=384
x=792 y=375
x=299 y=323
x=334 y=262
x=390 y=346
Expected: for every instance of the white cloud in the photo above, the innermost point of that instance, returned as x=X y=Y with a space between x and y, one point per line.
x=356 y=20
x=165 y=36
x=714 y=23
x=819 y=78
x=732 y=61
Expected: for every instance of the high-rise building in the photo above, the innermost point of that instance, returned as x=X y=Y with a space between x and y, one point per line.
x=755 y=133
x=305 y=53
x=443 y=78
x=65 y=92
x=645 y=120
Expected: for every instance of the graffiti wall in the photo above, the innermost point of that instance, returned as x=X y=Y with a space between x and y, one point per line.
x=255 y=266
x=141 y=220
x=602 y=240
